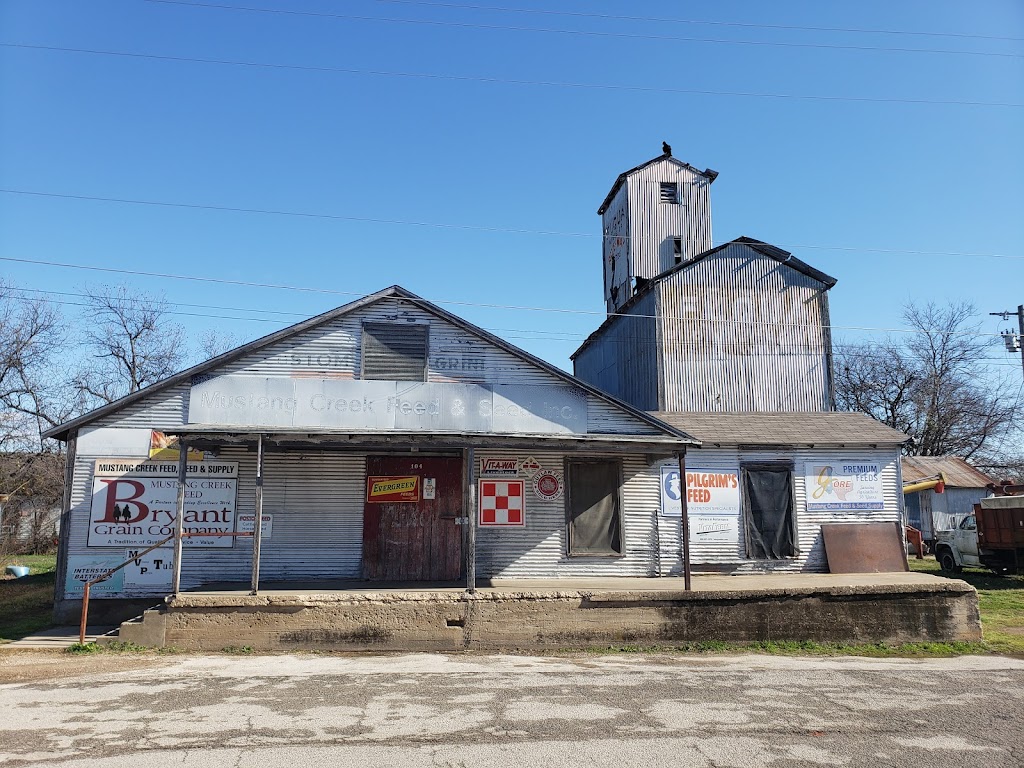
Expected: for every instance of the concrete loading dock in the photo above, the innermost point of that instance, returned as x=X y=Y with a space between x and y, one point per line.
x=581 y=613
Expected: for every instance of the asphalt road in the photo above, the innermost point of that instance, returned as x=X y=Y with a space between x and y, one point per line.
x=486 y=711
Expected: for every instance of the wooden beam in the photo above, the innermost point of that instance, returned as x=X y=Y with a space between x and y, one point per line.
x=684 y=521
x=471 y=522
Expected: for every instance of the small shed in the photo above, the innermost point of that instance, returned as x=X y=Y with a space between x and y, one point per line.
x=929 y=511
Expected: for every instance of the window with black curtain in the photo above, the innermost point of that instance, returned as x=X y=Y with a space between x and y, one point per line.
x=395 y=351
x=594 y=506
x=768 y=515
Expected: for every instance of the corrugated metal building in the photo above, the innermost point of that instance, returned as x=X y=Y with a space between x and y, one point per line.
x=733 y=345
x=741 y=327
x=929 y=511
x=820 y=451
x=365 y=414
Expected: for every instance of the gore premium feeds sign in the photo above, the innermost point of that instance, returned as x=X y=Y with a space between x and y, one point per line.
x=843 y=484
x=134 y=503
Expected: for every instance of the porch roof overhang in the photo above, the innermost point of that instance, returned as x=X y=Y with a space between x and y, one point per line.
x=212 y=435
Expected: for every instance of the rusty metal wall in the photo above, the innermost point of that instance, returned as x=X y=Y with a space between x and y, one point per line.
x=742 y=332
x=711 y=557
x=624 y=360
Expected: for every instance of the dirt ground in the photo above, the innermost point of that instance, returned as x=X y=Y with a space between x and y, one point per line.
x=30 y=665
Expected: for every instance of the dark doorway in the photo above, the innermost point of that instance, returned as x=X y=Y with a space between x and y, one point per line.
x=418 y=539
x=770 y=524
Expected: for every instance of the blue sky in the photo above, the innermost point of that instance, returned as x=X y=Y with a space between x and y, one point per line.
x=466 y=151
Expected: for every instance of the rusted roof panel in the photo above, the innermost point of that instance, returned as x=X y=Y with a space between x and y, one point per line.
x=958 y=473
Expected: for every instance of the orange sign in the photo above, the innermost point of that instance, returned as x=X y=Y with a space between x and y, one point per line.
x=389 y=490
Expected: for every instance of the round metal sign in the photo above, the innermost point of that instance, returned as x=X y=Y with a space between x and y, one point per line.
x=548 y=485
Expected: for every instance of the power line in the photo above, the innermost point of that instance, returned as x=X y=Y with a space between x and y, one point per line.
x=508 y=81
x=468 y=227
x=701 y=22
x=586 y=32
x=559 y=310
x=748 y=350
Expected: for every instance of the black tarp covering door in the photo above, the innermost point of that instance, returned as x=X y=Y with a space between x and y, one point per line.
x=769 y=521
x=593 y=508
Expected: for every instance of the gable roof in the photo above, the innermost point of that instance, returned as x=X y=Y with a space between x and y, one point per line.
x=791 y=429
x=958 y=473
x=61 y=431
x=763 y=248
x=706 y=173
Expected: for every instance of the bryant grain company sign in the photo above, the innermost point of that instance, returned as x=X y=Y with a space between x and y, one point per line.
x=256 y=401
x=134 y=503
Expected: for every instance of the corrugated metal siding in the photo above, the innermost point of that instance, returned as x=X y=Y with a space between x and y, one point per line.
x=654 y=224
x=333 y=351
x=624 y=362
x=947 y=509
x=724 y=557
x=168 y=408
x=741 y=332
x=539 y=549
x=317 y=503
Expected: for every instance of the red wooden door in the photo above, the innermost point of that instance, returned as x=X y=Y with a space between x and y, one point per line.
x=414 y=540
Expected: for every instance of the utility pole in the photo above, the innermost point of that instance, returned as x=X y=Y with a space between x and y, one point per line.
x=1013 y=340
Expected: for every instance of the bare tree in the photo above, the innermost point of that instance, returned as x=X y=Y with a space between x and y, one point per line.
x=131 y=341
x=934 y=385
x=214 y=343
x=31 y=396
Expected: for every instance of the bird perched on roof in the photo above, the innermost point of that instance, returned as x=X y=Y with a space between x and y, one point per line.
x=666 y=148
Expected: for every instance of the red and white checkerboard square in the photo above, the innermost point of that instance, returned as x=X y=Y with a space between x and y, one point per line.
x=502 y=503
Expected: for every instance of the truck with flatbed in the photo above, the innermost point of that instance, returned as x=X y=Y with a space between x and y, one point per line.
x=993 y=538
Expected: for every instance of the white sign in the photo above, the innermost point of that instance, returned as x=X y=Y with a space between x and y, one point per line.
x=714 y=529
x=429 y=488
x=505 y=466
x=843 y=484
x=388 y=405
x=134 y=503
x=708 y=492
x=247 y=524
x=151 y=572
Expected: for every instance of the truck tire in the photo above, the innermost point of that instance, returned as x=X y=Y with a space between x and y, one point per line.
x=947 y=562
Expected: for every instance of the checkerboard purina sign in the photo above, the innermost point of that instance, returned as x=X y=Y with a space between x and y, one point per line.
x=502 y=503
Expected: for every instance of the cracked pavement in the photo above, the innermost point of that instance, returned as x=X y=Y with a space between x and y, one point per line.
x=498 y=710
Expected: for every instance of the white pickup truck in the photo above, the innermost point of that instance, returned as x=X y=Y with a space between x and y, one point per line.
x=993 y=537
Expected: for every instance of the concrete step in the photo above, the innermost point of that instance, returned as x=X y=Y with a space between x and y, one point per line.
x=60 y=637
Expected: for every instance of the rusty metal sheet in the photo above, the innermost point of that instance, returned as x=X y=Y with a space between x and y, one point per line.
x=864 y=547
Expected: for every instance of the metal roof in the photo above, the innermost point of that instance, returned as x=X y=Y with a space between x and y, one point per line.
x=61 y=431
x=765 y=249
x=784 y=429
x=958 y=473
x=707 y=173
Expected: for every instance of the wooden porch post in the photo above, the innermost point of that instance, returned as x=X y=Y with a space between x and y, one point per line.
x=257 y=532
x=470 y=513
x=684 y=521
x=179 y=518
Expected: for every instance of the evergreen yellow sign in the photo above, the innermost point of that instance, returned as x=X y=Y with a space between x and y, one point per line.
x=391 y=490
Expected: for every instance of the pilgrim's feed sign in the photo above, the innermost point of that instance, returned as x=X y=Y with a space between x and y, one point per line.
x=134 y=503
x=844 y=484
